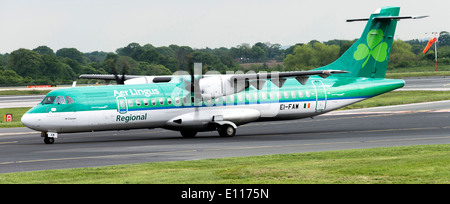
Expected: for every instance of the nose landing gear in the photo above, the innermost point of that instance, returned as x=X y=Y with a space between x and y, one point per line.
x=49 y=138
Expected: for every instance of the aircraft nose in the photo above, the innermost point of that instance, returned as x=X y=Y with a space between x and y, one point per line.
x=28 y=121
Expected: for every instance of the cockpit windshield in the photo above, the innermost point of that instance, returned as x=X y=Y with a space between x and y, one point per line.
x=48 y=100
x=57 y=100
x=60 y=100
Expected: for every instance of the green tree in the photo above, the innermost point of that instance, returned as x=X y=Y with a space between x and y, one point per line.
x=133 y=50
x=96 y=57
x=311 y=55
x=275 y=52
x=401 y=55
x=304 y=57
x=72 y=53
x=225 y=56
x=3 y=61
x=166 y=51
x=326 y=53
x=153 y=70
x=26 y=63
x=10 y=77
x=182 y=55
x=257 y=54
x=55 y=70
x=44 y=50
x=444 y=38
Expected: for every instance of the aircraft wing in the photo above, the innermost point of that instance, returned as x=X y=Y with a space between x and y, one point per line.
x=106 y=76
x=135 y=78
x=254 y=76
x=278 y=78
x=212 y=86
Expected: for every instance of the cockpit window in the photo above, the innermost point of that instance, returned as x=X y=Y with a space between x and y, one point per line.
x=57 y=100
x=48 y=100
x=69 y=100
x=60 y=100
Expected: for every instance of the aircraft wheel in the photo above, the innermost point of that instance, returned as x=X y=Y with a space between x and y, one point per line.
x=188 y=134
x=226 y=131
x=49 y=140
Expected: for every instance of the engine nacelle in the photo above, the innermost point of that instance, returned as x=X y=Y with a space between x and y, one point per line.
x=211 y=86
x=149 y=80
x=140 y=80
x=214 y=86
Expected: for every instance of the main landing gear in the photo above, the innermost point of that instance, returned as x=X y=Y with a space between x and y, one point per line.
x=49 y=138
x=225 y=130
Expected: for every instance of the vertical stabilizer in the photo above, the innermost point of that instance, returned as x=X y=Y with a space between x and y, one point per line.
x=369 y=55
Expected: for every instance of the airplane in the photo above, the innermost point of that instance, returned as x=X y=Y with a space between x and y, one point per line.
x=193 y=103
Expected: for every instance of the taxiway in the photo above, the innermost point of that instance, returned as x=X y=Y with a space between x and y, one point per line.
x=22 y=149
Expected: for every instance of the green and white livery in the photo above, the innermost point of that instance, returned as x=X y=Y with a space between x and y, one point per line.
x=223 y=102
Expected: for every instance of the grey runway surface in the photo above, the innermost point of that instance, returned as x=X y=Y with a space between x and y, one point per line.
x=432 y=83
x=22 y=149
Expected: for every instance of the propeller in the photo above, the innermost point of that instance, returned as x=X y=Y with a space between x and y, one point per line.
x=119 y=79
x=193 y=86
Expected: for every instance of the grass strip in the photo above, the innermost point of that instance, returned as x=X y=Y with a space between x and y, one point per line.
x=29 y=92
x=17 y=115
x=428 y=164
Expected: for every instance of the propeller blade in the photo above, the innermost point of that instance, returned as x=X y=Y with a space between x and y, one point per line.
x=119 y=79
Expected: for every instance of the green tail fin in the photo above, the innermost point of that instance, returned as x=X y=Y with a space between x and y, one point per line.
x=369 y=56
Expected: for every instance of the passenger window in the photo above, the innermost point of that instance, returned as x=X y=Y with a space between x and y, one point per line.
x=138 y=102
x=60 y=100
x=307 y=94
x=286 y=95
x=130 y=103
x=169 y=101
x=300 y=94
x=122 y=104
x=177 y=100
x=161 y=101
x=293 y=94
x=69 y=100
x=154 y=102
x=145 y=102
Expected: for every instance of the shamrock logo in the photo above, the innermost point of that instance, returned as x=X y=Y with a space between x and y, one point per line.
x=374 y=48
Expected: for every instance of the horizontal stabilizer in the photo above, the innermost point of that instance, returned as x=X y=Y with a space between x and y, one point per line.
x=387 y=18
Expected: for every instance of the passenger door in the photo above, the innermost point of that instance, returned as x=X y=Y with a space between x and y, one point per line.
x=321 y=95
x=122 y=104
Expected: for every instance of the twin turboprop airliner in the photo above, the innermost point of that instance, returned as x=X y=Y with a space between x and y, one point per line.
x=192 y=104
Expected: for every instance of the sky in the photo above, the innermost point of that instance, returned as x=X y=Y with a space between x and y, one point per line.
x=105 y=25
